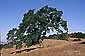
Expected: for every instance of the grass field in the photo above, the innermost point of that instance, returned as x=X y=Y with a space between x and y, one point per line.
x=52 y=48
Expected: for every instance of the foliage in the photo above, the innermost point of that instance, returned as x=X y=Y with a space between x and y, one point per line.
x=77 y=35
x=11 y=35
x=34 y=25
x=1 y=46
x=62 y=36
x=5 y=46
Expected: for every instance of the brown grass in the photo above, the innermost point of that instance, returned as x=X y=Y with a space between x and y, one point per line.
x=52 y=48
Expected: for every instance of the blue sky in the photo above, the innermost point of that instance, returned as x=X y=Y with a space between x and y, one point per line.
x=11 y=13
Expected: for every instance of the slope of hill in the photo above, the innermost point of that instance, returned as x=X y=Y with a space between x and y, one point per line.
x=52 y=48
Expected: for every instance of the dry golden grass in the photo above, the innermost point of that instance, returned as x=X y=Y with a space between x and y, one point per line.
x=51 y=48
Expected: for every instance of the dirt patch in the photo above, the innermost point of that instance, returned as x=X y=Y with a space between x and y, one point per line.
x=53 y=42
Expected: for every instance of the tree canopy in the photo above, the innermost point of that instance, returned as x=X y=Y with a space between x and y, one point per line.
x=36 y=24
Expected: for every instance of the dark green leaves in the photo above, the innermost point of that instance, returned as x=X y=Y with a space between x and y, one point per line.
x=11 y=35
x=34 y=25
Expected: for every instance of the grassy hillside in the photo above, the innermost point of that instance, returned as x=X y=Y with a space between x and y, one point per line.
x=51 y=48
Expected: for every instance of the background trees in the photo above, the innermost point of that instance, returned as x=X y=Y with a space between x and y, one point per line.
x=36 y=24
x=77 y=35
